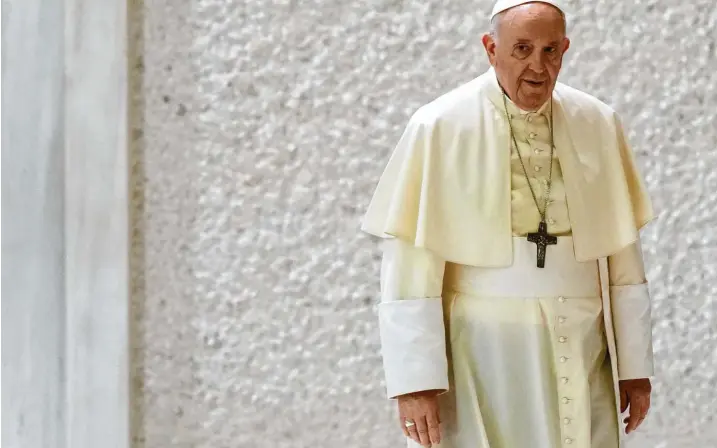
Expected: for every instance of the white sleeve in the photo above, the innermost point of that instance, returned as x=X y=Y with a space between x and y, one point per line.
x=411 y=323
x=631 y=312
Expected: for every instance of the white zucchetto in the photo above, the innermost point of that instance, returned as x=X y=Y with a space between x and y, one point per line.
x=502 y=5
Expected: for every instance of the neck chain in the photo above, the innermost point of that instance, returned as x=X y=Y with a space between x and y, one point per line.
x=541 y=238
x=525 y=172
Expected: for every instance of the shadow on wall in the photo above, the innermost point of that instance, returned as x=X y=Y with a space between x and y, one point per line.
x=137 y=218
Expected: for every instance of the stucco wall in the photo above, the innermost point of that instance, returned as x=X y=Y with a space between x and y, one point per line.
x=259 y=131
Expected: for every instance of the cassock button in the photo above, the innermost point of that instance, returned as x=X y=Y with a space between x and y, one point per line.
x=566 y=400
x=551 y=221
x=564 y=380
x=530 y=118
x=566 y=421
x=533 y=135
x=563 y=359
x=561 y=299
x=561 y=319
x=568 y=441
x=537 y=150
x=536 y=168
x=562 y=339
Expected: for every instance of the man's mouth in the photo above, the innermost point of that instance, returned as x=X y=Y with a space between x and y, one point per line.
x=534 y=83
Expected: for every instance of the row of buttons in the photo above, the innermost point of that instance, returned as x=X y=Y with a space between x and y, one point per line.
x=537 y=150
x=533 y=136
x=564 y=380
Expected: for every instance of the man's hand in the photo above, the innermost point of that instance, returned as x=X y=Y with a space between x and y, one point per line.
x=422 y=409
x=635 y=393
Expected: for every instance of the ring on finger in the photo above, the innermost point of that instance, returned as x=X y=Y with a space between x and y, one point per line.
x=409 y=423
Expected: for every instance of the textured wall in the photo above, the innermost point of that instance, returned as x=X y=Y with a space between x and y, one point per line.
x=260 y=129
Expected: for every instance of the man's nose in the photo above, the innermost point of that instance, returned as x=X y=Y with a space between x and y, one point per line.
x=538 y=62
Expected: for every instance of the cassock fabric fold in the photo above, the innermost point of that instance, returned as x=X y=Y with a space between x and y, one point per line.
x=631 y=312
x=411 y=319
x=413 y=345
x=632 y=318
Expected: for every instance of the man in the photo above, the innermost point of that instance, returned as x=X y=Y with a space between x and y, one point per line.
x=515 y=311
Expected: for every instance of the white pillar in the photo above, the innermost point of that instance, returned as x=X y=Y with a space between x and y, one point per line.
x=33 y=244
x=65 y=301
x=96 y=224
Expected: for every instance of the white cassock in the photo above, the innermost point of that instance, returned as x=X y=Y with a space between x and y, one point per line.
x=526 y=357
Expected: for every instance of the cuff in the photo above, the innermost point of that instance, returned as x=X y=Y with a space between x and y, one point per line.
x=633 y=330
x=413 y=345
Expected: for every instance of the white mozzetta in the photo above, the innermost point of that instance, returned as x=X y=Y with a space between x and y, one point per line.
x=413 y=345
x=631 y=311
x=428 y=192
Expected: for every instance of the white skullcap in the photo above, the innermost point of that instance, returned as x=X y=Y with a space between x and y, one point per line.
x=502 y=5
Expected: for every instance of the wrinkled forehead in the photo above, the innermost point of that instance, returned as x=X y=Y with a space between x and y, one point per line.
x=504 y=5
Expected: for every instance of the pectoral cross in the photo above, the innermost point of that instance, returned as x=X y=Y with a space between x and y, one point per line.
x=542 y=238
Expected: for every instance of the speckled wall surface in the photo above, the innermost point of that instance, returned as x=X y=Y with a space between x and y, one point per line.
x=259 y=131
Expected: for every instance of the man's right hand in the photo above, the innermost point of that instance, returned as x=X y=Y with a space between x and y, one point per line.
x=422 y=409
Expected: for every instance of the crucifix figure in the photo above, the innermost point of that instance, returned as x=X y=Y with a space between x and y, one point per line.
x=542 y=238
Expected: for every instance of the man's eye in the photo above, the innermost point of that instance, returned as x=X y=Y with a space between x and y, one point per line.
x=551 y=50
x=522 y=51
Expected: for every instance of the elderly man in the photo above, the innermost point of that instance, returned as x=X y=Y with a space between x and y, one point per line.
x=515 y=311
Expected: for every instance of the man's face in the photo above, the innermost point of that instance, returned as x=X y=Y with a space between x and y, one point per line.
x=527 y=52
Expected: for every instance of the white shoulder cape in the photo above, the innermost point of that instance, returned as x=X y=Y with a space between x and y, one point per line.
x=446 y=186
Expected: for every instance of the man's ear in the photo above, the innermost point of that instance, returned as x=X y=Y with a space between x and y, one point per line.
x=489 y=45
x=566 y=45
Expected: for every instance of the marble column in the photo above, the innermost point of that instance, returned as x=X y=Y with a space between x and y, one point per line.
x=65 y=304
x=33 y=244
x=96 y=224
